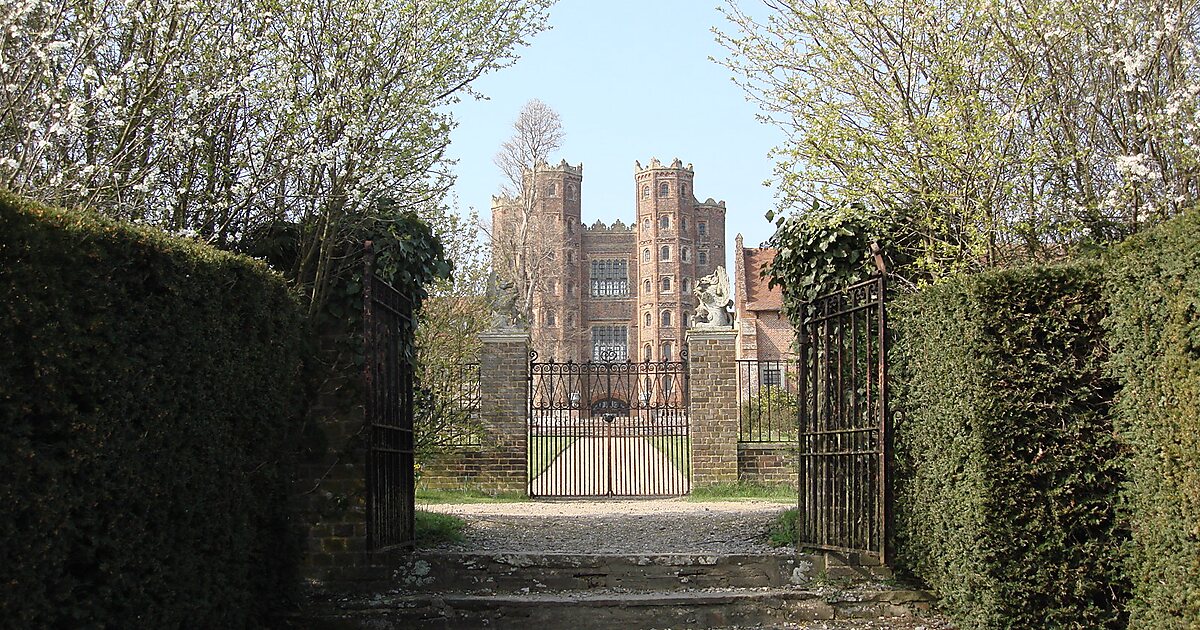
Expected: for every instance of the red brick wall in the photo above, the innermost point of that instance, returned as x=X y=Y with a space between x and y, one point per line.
x=767 y=463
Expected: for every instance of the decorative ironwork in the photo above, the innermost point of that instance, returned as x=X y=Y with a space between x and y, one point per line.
x=608 y=428
x=767 y=400
x=387 y=331
x=844 y=427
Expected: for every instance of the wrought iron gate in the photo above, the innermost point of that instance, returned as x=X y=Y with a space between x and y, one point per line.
x=608 y=429
x=844 y=428
x=387 y=330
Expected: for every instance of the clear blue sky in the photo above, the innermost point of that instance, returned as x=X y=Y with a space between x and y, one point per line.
x=631 y=80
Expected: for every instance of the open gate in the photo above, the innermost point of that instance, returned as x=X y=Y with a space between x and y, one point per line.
x=608 y=428
x=387 y=331
x=844 y=427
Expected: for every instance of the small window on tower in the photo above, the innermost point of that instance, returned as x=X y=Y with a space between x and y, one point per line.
x=664 y=222
x=646 y=255
x=552 y=189
x=646 y=224
x=647 y=352
x=702 y=228
x=685 y=254
x=687 y=285
x=551 y=320
x=646 y=191
x=666 y=284
x=702 y=258
x=664 y=189
x=664 y=252
x=649 y=319
x=646 y=286
x=572 y=191
x=666 y=318
x=685 y=320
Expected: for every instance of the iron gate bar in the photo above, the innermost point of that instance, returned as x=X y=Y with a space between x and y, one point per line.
x=844 y=434
x=388 y=412
x=608 y=428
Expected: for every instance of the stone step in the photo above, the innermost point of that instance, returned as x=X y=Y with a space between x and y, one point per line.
x=520 y=572
x=581 y=610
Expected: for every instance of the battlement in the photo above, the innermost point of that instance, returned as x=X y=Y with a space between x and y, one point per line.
x=562 y=167
x=656 y=165
x=599 y=226
x=712 y=203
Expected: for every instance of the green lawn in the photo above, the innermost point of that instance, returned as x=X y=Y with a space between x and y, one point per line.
x=677 y=449
x=543 y=450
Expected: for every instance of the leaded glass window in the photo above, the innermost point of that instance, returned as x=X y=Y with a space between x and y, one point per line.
x=610 y=343
x=610 y=278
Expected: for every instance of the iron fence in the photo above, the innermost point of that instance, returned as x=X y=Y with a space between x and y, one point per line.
x=767 y=410
x=447 y=406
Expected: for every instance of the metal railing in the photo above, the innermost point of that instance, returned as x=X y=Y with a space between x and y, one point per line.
x=447 y=406
x=767 y=409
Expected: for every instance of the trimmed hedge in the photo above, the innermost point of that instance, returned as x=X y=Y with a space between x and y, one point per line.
x=1154 y=282
x=149 y=392
x=1006 y=465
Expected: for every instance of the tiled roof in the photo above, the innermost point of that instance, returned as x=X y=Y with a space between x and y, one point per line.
x=760 y=297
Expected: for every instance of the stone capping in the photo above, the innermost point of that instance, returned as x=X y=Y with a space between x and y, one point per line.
x=719 y=334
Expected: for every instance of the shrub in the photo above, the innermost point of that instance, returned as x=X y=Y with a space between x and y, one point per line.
x=769 y=416
x=148 y=391
x=1006 y=465
x=1155 y=334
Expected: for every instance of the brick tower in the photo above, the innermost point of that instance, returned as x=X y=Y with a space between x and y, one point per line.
x=678 y=240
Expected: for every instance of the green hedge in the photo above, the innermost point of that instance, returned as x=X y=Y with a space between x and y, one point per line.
x=149 y=387
x=1154 y=281
x=1007 y=468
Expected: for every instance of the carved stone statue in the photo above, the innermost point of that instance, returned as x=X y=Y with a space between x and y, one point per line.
x=503 y=301
x=715 y=304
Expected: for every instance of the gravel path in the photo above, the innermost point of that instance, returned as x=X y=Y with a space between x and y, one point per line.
x=617 y=526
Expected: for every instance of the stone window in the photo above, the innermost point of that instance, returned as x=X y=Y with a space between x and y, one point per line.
x=572 y=191
x=610 y=278
x=702 y=258
x=646 y=255
x=649 y=319
x=664 y=252
x=647 y=352
x=684 y=219
x=687 y=285
x=685 y=254
x=571 y=289
x=647 y=286
x=610 y=343
x=667 y=352
x=664 y=222
x=664 y=189
x=570 y=256
x=665 y=318
x=552 y=189
x=685 y=320
x=646 y=224
x=665 y=284
x=571 y=225
x=702 y=228
x=683 y=193
x=646 y=191
x=551 y=320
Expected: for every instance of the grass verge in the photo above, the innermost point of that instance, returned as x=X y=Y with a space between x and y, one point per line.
x=433 y=529
x=467 y=495
x=782 y=532
x=732 y=491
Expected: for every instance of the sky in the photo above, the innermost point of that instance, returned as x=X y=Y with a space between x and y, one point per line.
x=631 y=80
